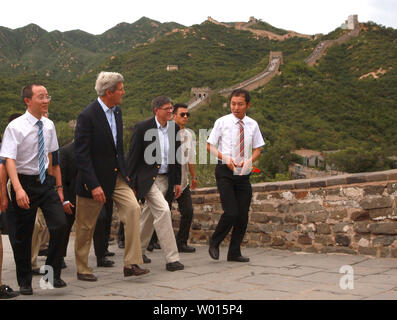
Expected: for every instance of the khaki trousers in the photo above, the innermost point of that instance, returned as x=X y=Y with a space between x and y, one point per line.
x=156 y=215
x=40 y=236
x=87 y=212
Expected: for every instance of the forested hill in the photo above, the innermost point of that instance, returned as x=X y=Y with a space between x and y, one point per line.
x=60 y=55
x=346 y=102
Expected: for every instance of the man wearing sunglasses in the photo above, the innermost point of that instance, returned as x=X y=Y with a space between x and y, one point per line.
x=188 y=146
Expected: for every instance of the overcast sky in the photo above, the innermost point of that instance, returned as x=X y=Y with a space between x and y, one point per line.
x=97 y=16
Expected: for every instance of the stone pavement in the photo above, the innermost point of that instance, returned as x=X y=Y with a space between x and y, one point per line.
x=270 y=275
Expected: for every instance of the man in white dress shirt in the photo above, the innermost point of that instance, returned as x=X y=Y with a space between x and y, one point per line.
x=26 y=144
x=236 y=141
x=156 y=177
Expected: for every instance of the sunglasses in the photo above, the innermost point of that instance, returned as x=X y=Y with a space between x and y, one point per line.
x=183 y=114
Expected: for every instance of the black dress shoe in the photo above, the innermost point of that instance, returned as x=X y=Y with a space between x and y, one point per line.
x=146 y=259
x=150 y=247
x=186 y=248
x=121 y=244
x=109 y=254
x=238 y=259
x=26 y=290
x=104 y=262
x=134 y=270
x=214 y=252
x=59 y=283
x=43 y=253
x=174 y=266
x=7 y=293
x=86 y=277
x=36 y=272
x=156 y=245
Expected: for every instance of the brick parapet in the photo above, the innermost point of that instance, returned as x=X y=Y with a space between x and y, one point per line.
x=353 y=214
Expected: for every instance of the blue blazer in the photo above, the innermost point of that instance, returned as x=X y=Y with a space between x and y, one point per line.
x=98 y=159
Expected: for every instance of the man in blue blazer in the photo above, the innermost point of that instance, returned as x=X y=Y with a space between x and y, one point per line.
x=102 y=175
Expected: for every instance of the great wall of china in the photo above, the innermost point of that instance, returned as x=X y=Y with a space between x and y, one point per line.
x=348 y=214
x=275 y=60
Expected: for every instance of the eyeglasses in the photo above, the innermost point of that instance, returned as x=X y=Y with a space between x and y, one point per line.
x=166 y=109
x=183 y=114
x=43 y=98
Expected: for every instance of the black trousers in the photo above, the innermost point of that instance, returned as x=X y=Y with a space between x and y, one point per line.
x=235 y=193
x=69 y=224
x=45 y=197
x=102 y=230
x=120 y=234
x=185 y=207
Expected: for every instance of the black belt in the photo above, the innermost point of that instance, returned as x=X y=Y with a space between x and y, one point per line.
x=30 y=178
x=163 y=174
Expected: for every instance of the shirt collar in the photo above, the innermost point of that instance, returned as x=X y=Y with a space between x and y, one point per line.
x=236 y=120
x=31 y=118
x=159 y=125
x=104 y=106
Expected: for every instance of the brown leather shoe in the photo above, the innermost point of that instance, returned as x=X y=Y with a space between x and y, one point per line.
x=134 y=270
x=86 y=277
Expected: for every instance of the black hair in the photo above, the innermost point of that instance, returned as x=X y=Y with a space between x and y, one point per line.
x=240 y=92
x=177 y=106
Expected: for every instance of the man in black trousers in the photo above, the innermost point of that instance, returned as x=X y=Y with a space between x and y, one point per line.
x=185 y=206
x=26 y=144
x=231 y=141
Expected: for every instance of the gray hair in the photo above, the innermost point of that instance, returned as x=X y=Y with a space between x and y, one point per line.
x=107 y=81
x=160 y=101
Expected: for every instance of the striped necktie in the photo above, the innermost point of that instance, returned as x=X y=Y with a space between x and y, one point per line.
x=41 y=152
x=241 y=140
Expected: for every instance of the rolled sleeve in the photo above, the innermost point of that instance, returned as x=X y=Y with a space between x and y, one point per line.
x=257 y=139
x=9 y=144
x=215 y=133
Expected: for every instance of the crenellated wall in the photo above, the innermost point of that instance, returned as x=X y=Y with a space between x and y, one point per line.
x=354 y=214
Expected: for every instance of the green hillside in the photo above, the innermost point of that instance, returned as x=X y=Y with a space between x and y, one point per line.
x=65 y=55
x=262 y=25
x=325 y=107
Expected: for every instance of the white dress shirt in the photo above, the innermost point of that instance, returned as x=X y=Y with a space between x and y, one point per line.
x=225 y=136
x=188 y=154
x=111 y=119
x=164 y=145
x=20 y=142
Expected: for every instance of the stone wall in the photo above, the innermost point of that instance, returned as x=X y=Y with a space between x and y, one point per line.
x=322 y=47
x=259 y=80
x=354 y=214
